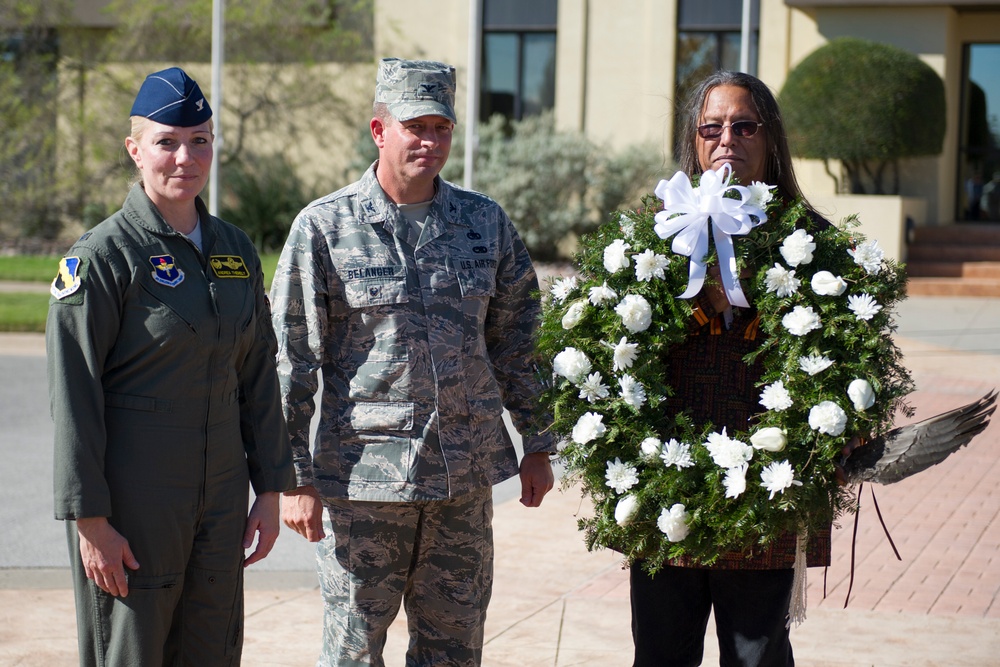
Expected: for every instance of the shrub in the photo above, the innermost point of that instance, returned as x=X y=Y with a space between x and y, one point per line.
x=866 y=104
x=262 y=195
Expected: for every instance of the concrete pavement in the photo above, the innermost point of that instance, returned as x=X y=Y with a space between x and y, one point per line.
x=556 y=604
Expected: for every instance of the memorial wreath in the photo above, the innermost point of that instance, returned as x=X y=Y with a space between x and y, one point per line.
x=662 y=485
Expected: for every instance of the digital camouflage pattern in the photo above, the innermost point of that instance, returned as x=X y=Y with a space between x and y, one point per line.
x=422 y=337
x=364 y=566
x=414 y=88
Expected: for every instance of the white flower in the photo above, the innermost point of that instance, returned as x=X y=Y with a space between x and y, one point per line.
x=625 y=354
x=632 y=392
x=635 y=313
x=861 y=394
x=677 y=454
x=760 y=194
x=781 y=280
x=863 y=306
x=797 y=248
x=625 y=509
x=814 y=363
x=572 y=364
x=777 y=477
x=827 y=417
x=673 y=523
x=825 y=283
x=573 y=314
x=736 y=481
x=593 y=389
x=599 y=295
x=801 y=320
x=627 y=225
x=562 y=288
x=776 y=397
x=621 y=476
x=770 y=439
x=615 y=258
x=590 y=425
x=649 y=265
x=868 y=256
x=726 y=452
x=650 y=448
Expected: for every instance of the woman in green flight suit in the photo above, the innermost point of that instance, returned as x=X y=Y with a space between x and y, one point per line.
x=166 y=405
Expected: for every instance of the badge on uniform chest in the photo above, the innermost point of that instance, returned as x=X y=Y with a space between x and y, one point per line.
x=165 y=270
x=229 y=266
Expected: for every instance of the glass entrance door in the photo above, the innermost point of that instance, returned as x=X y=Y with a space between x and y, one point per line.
x=979 y=152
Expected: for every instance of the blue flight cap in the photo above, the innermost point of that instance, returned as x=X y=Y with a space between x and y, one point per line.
x=171 y=97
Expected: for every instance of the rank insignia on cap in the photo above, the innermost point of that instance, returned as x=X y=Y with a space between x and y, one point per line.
x=229 y=266
x=69 y=278
x=165 y=271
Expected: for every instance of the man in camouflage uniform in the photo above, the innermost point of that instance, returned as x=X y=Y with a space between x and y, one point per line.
x=415 y=299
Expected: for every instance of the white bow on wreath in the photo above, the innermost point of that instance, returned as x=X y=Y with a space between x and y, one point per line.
x=688 y=211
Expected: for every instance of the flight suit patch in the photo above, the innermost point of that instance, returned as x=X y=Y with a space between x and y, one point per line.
x=229 y=266
x=165 y=270
x=69 y=278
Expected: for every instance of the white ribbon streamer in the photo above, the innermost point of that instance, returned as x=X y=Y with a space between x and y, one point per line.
x=688 y=212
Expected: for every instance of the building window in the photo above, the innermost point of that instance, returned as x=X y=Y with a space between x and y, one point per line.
x=518 y=58
x=709 y=35
x=979 y=152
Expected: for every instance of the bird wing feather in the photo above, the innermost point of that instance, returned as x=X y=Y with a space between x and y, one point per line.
x=907 y=450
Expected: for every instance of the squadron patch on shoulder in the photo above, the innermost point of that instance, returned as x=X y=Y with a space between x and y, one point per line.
x=165 y=270
x=229 y=266
x=69 y=278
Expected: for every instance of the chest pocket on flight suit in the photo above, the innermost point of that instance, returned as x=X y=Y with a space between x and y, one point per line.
x=376 y=420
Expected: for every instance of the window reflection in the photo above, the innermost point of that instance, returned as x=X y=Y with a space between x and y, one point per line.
x=979 y=154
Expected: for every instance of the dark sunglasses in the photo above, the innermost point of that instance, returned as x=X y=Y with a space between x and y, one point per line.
x=741 y=128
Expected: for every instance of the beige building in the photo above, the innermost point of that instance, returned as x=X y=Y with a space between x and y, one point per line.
x=614 y=69
x=619 y=64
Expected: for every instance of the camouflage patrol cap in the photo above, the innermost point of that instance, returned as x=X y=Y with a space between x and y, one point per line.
x=412 y=88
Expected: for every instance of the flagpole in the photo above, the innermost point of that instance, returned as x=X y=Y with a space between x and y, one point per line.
x=472 y=92
x=218 y=51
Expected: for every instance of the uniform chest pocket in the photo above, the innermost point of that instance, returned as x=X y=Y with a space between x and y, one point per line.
x=375 y=291
x=477 y=279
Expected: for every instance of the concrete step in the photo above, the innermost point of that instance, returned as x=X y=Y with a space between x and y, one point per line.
x=981 y=287
x=937 y=269
x=957 y=234
x=919 y=252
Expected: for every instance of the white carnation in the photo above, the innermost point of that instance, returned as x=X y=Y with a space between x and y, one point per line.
x=798 y=247
x=650 y=448
x=615 y=257
x=572 y=364
x=635 y=313
x=827 y=417
x=673 y=523
x=801 y=320
x=589 y=426
x=760 y=194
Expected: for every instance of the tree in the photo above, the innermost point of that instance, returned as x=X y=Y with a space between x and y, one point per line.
x=866 y=104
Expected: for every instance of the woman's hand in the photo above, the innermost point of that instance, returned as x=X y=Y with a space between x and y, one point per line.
x=105 y=554
x=262 y=520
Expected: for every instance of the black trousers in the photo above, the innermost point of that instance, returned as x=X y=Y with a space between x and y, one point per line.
x=670 y=613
